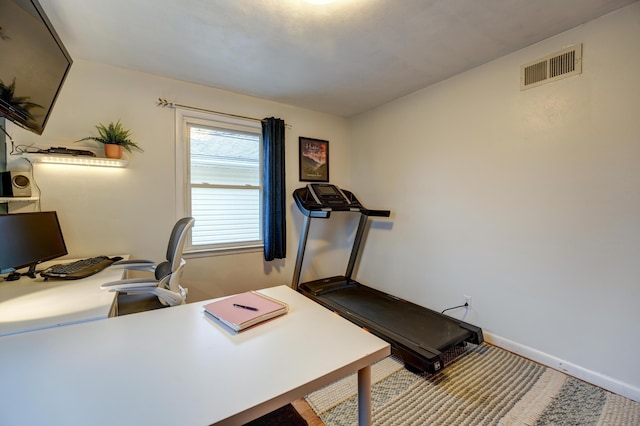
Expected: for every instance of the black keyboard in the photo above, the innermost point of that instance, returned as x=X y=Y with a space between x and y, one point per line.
x=79 y=269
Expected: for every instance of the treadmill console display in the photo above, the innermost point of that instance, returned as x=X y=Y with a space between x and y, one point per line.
x=326 y=194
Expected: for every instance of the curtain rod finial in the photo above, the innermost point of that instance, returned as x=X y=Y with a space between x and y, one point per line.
x=164 y=103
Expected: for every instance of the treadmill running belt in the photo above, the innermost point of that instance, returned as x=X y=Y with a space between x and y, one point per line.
x=424 y=327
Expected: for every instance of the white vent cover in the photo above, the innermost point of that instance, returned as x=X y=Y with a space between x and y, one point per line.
x=562 y=64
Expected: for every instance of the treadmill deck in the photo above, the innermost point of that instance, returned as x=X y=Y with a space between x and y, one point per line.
x=417 y=334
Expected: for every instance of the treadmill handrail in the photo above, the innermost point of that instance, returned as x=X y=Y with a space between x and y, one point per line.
x=377 y=213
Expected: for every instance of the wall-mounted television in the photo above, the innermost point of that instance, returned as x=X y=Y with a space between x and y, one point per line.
x=33 y=64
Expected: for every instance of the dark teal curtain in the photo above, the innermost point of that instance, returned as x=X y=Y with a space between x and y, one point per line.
x=274 y=207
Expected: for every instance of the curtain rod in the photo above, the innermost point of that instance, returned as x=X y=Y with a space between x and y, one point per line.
x=165 y=103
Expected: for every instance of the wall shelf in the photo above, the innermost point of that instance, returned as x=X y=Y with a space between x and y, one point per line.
x=77 y=160
x=18 y=199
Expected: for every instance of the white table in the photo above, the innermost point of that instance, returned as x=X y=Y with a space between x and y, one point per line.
x=177 y=366
x=31 y=304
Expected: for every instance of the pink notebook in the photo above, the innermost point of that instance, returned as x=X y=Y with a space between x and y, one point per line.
x=243 y=310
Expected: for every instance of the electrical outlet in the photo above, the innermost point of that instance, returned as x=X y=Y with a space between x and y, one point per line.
x=467 y=300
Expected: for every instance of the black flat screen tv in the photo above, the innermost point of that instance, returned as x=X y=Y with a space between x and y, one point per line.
x=33 y=64
x=29 y=239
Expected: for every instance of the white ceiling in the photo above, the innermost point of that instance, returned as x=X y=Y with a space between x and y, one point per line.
x=343 y=58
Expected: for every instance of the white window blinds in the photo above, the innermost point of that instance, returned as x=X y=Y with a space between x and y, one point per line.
x=225 y=186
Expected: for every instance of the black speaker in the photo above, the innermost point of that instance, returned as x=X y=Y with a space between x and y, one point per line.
x=15 y=184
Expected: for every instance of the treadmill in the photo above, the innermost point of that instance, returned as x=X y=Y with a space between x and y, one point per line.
x=417 y=335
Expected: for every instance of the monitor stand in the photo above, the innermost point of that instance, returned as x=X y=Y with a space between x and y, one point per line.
x=31 y=273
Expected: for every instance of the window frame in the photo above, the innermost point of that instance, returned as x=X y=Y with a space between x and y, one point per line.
x=183 y=119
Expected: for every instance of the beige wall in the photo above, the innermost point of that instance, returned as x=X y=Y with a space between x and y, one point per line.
x=527 y=201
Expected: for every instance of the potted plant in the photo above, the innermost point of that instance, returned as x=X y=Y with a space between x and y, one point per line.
x=115 y=139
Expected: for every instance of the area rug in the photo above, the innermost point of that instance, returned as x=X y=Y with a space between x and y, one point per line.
x=485 y=385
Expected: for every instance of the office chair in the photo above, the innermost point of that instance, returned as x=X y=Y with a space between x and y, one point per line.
x=165 y=285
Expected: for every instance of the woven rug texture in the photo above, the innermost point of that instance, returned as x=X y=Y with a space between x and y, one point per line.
x=485 y=385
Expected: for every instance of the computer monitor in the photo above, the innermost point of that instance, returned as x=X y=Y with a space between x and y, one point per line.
x=27 y=239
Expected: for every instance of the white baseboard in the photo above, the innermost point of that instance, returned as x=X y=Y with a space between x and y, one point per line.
x=613 y=385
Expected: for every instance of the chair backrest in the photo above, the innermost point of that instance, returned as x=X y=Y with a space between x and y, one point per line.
x=168 y=272
x=177 y=240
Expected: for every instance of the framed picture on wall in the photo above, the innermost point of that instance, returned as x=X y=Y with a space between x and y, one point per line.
x=314 y=160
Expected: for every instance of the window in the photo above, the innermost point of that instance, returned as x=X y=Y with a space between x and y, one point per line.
x=222 y=182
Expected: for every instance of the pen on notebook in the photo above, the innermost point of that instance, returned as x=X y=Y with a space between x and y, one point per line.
x=251 y=308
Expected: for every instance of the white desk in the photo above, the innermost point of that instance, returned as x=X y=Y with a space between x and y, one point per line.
x=177 y=366
x=31 y=304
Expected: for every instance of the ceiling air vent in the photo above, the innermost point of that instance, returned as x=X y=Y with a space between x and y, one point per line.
x=562 y=64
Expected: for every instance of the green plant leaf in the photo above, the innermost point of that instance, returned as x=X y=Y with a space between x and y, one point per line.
x=114 y=134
